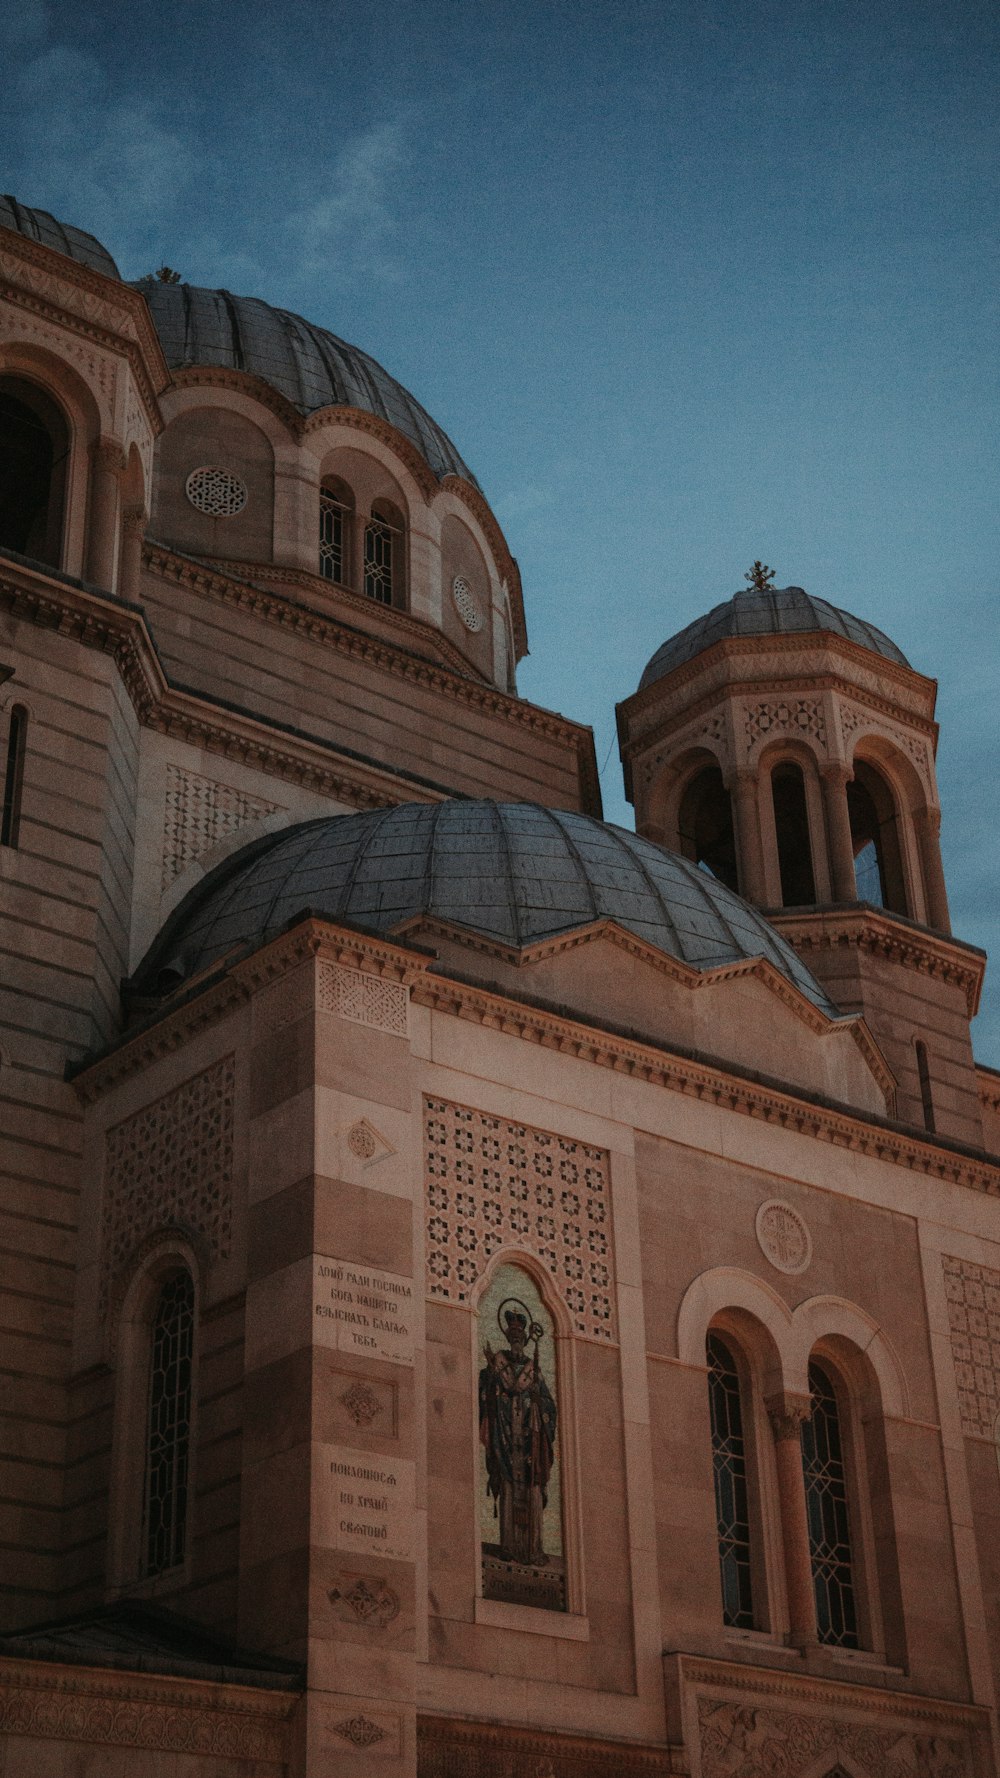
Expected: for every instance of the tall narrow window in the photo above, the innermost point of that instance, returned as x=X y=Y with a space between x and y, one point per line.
x=34 y=447
x=828 y=1517
x=334 y=529
x=10 y=821
x=732 y=1506
x=705 y=820
x=791 y=826
x=381 y=549
x=926 y=1099
x=878 y=860
x=168 y=1438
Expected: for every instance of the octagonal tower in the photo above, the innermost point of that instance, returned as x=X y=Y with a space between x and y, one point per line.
x=788 y=747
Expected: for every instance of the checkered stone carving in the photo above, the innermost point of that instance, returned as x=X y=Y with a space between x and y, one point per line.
x=199 y=813
x=367 y=999
x=973 y=1294
x=493 y=1184
x=795 y=716
x=171 y=1165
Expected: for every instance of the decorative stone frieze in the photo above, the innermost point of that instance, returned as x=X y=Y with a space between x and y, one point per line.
x=460 y=1749
x=741 y=1740
x=973 y=1294
x=363 y=998
x=494 y=1185
x=785 y=716
x=171 y=1165
x=199 y=813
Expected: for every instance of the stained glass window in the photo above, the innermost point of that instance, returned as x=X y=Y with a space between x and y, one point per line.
x=332 y=539
x=380 y=542
x=729 y=1463
x=827 y=1511
x=169 y=1426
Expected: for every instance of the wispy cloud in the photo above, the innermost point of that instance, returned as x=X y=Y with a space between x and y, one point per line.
x=351 y=228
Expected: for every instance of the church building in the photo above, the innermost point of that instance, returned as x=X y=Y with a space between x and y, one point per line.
x=485 y=1293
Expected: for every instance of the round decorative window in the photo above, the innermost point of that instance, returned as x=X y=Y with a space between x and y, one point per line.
x=216 y=492
x=466 y=604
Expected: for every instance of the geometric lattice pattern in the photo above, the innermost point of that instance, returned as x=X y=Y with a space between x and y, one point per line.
x=332 y=538
x=493 y=1184
x=973 y=1294
x=797 y=716
x=216 y=492
x=367 y=999
x=729 y=1463
x=199 y=813
x=169 y=1425
x=171 y=1163
x=827 y=1512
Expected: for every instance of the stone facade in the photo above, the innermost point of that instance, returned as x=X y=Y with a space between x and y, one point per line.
x=333 y=1142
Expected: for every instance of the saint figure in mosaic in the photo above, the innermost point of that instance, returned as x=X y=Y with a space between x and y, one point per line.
x=517 y=1428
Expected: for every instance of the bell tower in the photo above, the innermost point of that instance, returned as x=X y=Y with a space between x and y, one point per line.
x=788 y=748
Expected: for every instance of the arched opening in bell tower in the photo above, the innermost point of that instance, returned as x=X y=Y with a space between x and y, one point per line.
x=705 y=826
x=878 y=858
x=791 y=831
x=34 y=447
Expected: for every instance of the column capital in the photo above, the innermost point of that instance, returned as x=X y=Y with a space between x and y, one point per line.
x=134 y=521
x=929 y=818
x=109 y=455
x=787 y=1413
x=836 y=771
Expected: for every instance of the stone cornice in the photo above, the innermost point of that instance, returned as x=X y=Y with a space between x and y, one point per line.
x=887 y=935
x=224 y=589
x=490 y=1747
x=777 y=643
x=85 y=302
x=137 y=1710
x=354 y=608
x=988 y=1080
x=715 y=1082
x=832 y=1693
x=92 y=618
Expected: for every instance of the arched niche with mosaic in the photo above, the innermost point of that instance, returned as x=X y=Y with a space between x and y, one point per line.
x=519 y=1483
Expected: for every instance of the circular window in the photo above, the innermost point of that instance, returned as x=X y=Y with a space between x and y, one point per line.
x=217 y=492
x=466 y=603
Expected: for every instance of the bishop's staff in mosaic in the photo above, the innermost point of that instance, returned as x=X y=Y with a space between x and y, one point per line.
x=517 y=1428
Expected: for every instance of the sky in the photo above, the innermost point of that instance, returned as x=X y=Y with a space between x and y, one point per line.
x=689 y=283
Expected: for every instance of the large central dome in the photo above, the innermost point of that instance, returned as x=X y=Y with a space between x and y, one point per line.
x=311 y=368
x=509 y=871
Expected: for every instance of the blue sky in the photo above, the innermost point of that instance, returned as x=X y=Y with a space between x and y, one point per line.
x=687 y=283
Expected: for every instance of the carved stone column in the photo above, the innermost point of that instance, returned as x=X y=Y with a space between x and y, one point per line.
x=134 y=522
x=107 y=466
x=749 y=851
x=836 y=777
x=786 y=1413
x=928 y=824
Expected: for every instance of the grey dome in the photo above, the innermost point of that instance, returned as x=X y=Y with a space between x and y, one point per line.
x=776 y=611
x=510 y=871
x=313 y=369
x=38 y=225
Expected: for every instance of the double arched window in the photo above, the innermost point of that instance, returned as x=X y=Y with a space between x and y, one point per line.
x=366 y=554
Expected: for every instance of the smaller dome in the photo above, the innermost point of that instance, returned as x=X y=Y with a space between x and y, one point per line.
x=772 y=611
x=515 y=872
x=38 y=225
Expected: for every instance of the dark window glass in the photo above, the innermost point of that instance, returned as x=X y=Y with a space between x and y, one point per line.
x=34 y=445
x=827 y=1512
x=169 y=1426
x=706 y=826
x=729 y=1464
x=10 y=820
x=791 y=826
x=380 y=540
x=332 y=539
x=926 y=1098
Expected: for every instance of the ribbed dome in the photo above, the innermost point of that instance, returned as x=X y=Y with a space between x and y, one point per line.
x=510 y=871
x=38 y=225
x=313 y=369
x=776 y=611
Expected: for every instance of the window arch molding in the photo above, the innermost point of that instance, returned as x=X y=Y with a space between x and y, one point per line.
x=777 y=760
x=888 y=771
x=726 y=1295
x=568 y=1424
x=671 y=783
x=162 y=1258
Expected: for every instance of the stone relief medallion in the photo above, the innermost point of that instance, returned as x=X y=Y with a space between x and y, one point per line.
x=362 y=1141
x=360 y=1731
x=361 y=1403
x=783 y=1237
x=466 y=604
x=367 y=1600
x=216 y=492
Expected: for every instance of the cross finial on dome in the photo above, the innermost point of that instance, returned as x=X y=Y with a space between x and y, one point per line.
x=760 y=577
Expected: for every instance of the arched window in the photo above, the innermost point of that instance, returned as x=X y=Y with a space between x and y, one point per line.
x=791 y=827
x=924 y=1073
x=828 y=1515
x=384 y=556
x=878 y=861
x=705 y=823
x=168 y=1426
x=335 y=515
x=17 y=733
x=34 y=447
x=520 y=1500
x=732 y=1495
